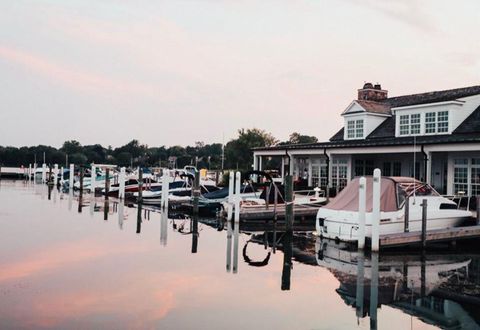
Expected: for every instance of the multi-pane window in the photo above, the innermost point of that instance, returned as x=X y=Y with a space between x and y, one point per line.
x=351 y=129
x=430 y=122
x=475 y=177
x=460 y=176
x=355 y=129
x=359 y=128
x=363 y=167
x=442 y=120
x=339 y=173
x=319 y=173
x=387 y=169
x=404 y=124
x=415 y=123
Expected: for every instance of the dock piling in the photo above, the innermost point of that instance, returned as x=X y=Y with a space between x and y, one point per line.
x=121 y=184
x=107 y=183
x=361 y=212
x=71 y=177
x=376 y=210
x=82 y=173
x=288 y=203
x=196 y=192
x=140 y=185
x=93 y=179
x=238 y=181
x=406 y=215
x=424 y=223
x=231 y=183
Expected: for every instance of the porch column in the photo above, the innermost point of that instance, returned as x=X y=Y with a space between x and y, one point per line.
x=310 y=171
x=260 y=164
x=428 y=167
x=255 y=162
x=450 y=169
x=292 y=165
x=282 y=169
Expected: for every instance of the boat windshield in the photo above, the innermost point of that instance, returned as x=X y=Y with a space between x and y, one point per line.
x=407 y=189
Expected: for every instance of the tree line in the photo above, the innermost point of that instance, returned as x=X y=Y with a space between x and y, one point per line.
x=237 y=152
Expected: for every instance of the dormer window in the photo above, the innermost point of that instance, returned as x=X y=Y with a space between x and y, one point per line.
x=355 y=129
x=442 y=121
x=410 y=124
x=436 y=122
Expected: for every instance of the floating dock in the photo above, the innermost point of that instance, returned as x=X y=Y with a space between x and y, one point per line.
x=432 y=236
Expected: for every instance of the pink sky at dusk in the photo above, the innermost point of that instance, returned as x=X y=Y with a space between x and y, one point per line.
x=108 y=72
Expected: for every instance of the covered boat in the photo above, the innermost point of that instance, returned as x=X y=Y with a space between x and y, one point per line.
x=339 y=219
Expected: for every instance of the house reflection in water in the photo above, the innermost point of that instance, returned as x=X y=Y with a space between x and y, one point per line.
x=432 y=288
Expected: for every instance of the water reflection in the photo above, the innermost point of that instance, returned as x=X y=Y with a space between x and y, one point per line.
x=413 y=283
x=139 y=218
x=164 y=228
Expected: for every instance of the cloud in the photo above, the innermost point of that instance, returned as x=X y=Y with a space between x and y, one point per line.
x=408 y=12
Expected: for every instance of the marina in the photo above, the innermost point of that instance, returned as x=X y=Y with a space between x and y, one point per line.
x=84 y=262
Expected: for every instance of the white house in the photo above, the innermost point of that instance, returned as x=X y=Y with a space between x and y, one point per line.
x=433 y=136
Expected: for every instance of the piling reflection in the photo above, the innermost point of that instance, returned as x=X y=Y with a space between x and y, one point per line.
x=106 y=207
x=236 y=233
x=415 y=284
x=229 y=246
x=121 y=214
x=164 y=227
x=194 y=226
x=139 y=218
x=287 y=260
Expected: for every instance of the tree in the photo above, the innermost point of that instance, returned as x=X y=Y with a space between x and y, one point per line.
x=297 y=138
x=238 y=152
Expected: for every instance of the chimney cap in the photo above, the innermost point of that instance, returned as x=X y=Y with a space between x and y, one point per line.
x=377 y=86
x=367 y=86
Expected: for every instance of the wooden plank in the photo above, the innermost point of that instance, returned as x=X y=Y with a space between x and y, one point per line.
x=437 y=235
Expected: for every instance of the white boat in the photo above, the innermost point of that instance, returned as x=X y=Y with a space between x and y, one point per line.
x=339 y=218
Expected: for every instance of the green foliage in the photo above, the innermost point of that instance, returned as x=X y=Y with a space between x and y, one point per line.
x=238 y=152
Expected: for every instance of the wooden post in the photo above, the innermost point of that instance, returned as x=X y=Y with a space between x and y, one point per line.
x=362 y=198
x=121 y=184
x=81 y=180
x=238 y=182
x=406 y=216
x=71 y=178
x=288 y=202
x=231 y=183
x=275 y=202
x=196 y=192
x=376 y=210
x=140 y=184
x=93 y=179
x=424 y=224
x=107 y=183
x=50 y=175
x=374 y=291
x=478 y=210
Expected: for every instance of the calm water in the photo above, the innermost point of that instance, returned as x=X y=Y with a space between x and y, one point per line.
x=105 y=269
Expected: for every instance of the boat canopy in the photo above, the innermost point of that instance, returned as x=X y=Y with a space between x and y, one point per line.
x=393 y=191
x=347 y=199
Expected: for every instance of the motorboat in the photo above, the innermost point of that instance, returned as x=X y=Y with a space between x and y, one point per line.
x=339 y=218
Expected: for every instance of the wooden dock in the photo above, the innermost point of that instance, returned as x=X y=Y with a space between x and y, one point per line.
x=438 y=235
x=264 y=213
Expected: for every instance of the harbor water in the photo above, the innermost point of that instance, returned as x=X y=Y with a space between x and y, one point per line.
x=91 y=263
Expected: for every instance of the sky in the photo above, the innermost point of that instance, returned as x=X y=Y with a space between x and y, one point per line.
x=173 y=72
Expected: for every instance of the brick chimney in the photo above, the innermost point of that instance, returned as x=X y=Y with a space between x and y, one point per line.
x=372 y=93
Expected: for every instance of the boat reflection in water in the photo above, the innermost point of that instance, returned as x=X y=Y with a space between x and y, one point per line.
x=415 y=284
x=439 y=289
